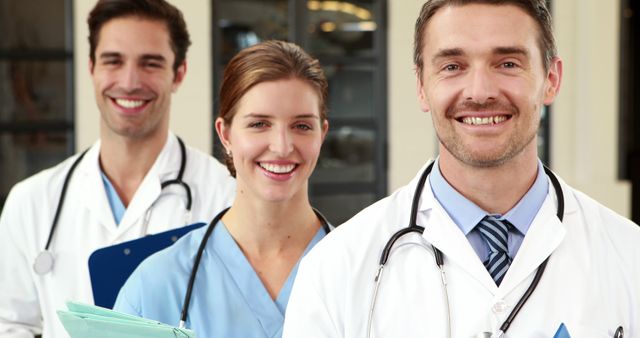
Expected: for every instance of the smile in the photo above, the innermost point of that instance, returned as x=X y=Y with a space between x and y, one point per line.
x=277 y=168
x=488 y=120
x=130 y=104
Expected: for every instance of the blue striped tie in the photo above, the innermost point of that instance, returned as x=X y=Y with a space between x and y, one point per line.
x=495 y=233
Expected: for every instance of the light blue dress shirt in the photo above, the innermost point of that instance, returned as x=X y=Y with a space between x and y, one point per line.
x=117 y=207
x=228 y=299
x=466 y=214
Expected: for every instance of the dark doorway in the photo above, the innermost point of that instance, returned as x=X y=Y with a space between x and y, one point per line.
x=629 y=139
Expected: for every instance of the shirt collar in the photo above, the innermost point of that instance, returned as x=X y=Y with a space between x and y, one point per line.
x=466 y=214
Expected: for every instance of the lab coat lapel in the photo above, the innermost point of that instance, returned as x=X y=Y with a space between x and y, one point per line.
x=149 y=191
x=444 y=234
x=92 y=189
x=545 y=234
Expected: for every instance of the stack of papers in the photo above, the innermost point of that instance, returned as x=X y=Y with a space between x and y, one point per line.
x=88 y=321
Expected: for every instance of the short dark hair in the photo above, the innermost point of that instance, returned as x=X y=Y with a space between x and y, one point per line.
x=159 y=10
x=537 y=9
x=264 y=62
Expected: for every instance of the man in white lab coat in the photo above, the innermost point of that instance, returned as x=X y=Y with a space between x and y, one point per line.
x=137 y=61
x=484 y=71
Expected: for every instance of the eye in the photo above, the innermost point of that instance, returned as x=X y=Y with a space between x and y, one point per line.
x=303 y=126
x=153 y=65
x=111 y=62
x=509 y=65
x=451 y=68
x=258 y=124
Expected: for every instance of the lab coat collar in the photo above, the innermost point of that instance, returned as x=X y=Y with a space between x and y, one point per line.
x=95 y=199
x=544 y=236
x=166 y=165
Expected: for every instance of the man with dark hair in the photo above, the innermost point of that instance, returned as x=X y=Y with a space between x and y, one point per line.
x=137 y=179
x=485 y=241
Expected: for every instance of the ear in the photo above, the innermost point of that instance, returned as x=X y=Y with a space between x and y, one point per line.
x=179 y=76
x=325 y=129
x=552 y=83
x=223 y=132
x=90 y=66
x=424 y=104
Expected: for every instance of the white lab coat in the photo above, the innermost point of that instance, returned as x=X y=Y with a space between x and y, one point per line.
x=86 y=224
x=591 y=284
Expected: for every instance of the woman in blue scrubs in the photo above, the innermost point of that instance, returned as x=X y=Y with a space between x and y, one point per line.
x=272 y=123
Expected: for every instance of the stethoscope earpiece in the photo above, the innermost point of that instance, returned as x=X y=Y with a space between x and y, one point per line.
x=43 y=263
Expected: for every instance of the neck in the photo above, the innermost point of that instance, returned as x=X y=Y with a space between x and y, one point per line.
x=264 y=228
x=126 y=161
x=494 y=189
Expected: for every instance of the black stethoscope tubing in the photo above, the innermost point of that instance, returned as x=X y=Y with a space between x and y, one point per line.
x=414 y=227
x=178 y=180
x=201 y=248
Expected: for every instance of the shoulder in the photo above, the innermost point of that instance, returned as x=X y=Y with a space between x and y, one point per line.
x=206 y=164
x=165 y=273
x=178 y=256
x=362 y=237
x=42 y=186
x=595 y=213
x=618 y=235
x=206 y=169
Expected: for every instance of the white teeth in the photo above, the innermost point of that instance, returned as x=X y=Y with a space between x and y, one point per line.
x=129 y=103
x=484 y=120
x=278 y=169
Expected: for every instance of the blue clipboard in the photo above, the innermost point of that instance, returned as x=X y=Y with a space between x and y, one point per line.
x=110 y=267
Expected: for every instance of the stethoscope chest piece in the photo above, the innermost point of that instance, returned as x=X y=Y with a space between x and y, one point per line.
x=483 y=335
x=43 y=263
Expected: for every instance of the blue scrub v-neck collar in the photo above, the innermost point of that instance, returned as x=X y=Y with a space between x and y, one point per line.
x=270 y=313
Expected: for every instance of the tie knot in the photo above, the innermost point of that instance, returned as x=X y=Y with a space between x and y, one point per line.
x=494 y=231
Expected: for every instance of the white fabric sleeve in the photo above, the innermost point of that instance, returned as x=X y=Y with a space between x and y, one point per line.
x=19 y=304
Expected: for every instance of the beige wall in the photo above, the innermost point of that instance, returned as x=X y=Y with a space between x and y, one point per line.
x=411 y=136
x=585 y=116
x=584 y=119
x=191 y=106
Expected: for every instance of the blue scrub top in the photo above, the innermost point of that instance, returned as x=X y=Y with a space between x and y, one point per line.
x=228 y=299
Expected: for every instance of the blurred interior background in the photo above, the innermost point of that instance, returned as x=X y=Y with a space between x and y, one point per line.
x=378 y=136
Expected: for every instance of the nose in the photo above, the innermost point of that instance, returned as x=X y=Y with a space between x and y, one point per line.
x=281 y=142
x=130 y=77
x=481 y=87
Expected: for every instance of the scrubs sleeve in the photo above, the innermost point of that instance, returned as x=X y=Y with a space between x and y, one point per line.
x=307 y=313
x=128 y=300
x=19 y=305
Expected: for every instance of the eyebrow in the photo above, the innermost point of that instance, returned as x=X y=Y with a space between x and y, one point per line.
x=108 y=55
x=450 y=52
x=266 y=116
x=145 y=57
x=511 y=50
x=446 y=53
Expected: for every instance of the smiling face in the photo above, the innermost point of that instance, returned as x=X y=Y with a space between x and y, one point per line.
x=133 y=77
x=275 y=138
x=484 y=82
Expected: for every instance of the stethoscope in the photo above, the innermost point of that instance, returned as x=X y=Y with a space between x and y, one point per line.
x=415 y=228
x=203 y=244
x=43 y=263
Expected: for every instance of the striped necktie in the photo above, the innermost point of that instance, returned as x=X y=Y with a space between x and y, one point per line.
x=495 y=233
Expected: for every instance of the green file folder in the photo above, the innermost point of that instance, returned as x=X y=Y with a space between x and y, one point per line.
x=89 y=321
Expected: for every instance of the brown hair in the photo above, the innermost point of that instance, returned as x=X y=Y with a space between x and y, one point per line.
x=537 y=9
x=159 y=10
x=268 y=61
